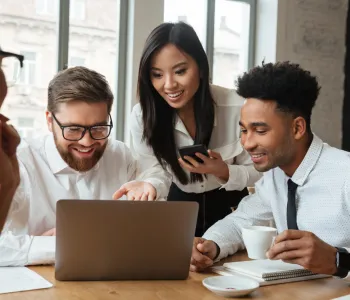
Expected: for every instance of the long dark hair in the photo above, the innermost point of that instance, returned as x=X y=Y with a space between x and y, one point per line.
x=158 y=116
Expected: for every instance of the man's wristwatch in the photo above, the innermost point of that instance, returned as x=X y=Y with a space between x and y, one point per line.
x=342 y=263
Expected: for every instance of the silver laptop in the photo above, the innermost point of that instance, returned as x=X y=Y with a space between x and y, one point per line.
x=129 y=240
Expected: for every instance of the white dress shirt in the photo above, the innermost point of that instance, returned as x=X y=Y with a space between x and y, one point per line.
x=46 y=178
x=322 y=199
x=225 y=139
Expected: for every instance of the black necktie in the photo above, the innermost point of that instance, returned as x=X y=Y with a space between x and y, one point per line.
x=291 y=206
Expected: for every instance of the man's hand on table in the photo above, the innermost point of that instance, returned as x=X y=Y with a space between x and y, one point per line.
x=203 y=253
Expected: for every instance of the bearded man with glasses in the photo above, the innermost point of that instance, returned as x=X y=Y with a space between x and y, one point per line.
x=9 y=139
x=77 y=160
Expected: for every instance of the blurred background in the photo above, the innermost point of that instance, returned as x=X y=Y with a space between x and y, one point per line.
x=108 y=36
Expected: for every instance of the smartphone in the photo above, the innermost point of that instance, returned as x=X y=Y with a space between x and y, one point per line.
x=192 y=150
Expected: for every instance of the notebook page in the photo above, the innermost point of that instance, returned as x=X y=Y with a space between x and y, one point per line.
x=265 y=268
x=16 y=279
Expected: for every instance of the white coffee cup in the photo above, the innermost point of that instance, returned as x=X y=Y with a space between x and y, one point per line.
x=257 y=240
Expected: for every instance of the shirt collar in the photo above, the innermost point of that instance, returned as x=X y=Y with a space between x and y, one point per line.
x=180 y=126
x=310 y=160
x=55 y=161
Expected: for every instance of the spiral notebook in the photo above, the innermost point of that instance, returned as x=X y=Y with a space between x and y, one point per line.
x=267 y=271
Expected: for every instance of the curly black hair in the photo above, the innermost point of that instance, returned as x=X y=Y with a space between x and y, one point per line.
x=295 y=90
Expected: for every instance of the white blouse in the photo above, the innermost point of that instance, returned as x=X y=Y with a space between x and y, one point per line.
x=225 y=139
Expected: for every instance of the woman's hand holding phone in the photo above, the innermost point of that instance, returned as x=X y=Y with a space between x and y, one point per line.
x=212 y=164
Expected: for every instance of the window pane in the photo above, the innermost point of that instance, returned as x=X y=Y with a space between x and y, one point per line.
x=76 y=61
x=51 y=6
x=26 y=31
x=40 y=6
x=193 y=12
x=31 y=74
x=231 y=41
x=77 y=10
x=26 y=122
x=46 y=7
x=28 y=74
x=93 y=42
x=10 y=67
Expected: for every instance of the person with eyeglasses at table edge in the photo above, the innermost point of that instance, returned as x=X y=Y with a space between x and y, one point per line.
x=9 y=140
x=75 y=161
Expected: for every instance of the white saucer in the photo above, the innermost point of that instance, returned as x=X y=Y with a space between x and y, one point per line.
x=230 y=286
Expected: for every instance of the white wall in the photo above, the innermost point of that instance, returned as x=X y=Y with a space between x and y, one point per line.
x=311 y=33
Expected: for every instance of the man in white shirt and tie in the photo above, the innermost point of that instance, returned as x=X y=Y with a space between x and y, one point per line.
x=305 y=189
x=76 y=161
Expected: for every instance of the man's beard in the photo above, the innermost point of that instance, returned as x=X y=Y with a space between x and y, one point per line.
x=80 y=164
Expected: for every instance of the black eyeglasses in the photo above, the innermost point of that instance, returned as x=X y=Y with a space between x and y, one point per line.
x=11 y=64
x=75 y=133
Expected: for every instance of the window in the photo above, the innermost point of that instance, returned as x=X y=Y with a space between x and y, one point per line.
x=193 y=12
x=92 y=43
x=226 y=30
x=231 y=41
x=46 y=7
x=96 y=39
x=25 y=122
x=28 y=74
x=35 y=38
x=25 y=127
x=182 y=19
x=76 y=61
x=77 y=10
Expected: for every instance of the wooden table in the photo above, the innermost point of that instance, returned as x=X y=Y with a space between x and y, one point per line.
x=190 y=289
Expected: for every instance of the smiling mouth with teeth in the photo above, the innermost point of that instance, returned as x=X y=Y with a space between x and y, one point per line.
x=175 y=95
x=84 y=150
x=257 y=155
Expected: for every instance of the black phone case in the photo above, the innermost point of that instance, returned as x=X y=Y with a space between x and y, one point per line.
x=192 y=150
